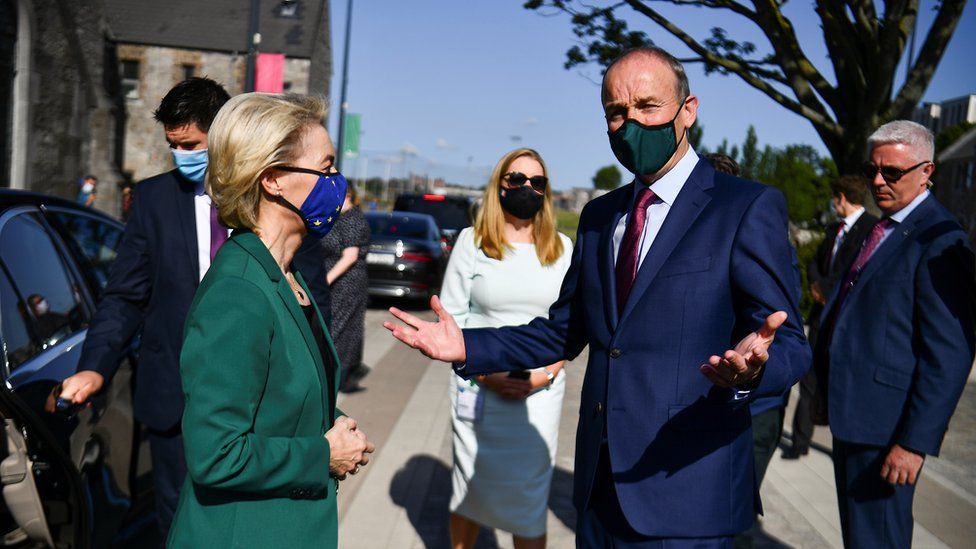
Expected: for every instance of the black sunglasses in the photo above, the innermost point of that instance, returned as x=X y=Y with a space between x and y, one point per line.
x=538 y=182
x=890 y=174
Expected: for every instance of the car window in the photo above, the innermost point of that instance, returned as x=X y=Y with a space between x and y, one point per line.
x=451 y=214
x=401 y=226
x=95 y=239
x=43 y=293
x=13 y=323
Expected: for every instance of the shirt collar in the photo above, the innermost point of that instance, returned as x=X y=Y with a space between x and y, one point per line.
x=669 y=185
x=901 y=214
x=850 y=220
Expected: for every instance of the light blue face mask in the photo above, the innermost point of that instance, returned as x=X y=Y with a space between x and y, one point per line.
x=191 y=164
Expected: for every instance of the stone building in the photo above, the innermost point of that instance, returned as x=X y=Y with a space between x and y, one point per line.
x=79 y=80
x=60 y=113
x=160 y=43
x=939 y=116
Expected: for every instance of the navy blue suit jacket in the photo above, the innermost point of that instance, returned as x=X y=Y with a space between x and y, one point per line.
x=151 y=284
x=902 y=343
x=680 y=447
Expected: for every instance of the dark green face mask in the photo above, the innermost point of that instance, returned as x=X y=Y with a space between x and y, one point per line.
x=644 y=150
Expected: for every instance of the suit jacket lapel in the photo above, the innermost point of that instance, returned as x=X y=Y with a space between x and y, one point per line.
x=687 y=206
x=890 y=245
x=607 y=271
x=187 y=219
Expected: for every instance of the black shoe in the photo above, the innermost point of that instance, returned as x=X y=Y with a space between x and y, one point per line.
x=794 y=453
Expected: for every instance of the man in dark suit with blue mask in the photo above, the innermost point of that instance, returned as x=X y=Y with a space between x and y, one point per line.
x=897 y=339
x=171 y=237
x=679 y=283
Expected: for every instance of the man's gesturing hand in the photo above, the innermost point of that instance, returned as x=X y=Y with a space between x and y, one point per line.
x=742 y=365
x=441 y=340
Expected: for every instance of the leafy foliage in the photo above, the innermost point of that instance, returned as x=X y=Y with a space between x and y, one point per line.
x=607 y=178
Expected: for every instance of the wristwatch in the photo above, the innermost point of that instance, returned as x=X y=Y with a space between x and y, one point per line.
x=550 y=377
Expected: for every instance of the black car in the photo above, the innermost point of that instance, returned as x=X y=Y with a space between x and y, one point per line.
x=452 y=213
x=406 y=256
x=69 y=479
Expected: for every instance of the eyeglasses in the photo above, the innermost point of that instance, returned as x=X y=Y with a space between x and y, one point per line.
x=517 y=179
x=890 y=174
x=332 y=171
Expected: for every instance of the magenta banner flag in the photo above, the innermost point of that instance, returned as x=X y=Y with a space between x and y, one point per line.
x=269 y=75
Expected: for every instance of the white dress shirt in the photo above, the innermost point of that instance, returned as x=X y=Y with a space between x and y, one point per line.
x=899 y=216
x=666 y=190
x=849 y=222
x=201 y=211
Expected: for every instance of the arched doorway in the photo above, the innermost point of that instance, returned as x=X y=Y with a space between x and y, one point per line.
x=8 y=69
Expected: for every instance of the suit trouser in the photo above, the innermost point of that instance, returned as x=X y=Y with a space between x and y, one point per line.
x=169 y=472
x=603 y=524
x=873 y=513
x=803 y=418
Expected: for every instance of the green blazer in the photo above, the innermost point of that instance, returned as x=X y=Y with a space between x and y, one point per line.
x=256 y=412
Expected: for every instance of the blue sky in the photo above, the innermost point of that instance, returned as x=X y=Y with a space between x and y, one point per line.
x=443 y=86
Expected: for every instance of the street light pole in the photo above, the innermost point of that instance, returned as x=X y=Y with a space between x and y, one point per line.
x=342 y=97
x=253 y=39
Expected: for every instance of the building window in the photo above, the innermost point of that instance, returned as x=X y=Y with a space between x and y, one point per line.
x=188 y=71
x=970 y=174
x=286 y=87
x=130 y=78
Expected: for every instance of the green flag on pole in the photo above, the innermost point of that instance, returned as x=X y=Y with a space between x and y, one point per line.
x=350 y=145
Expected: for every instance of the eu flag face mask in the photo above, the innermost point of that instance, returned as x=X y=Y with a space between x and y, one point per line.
x=322 y=207
x=644 y=150
x=191 y=164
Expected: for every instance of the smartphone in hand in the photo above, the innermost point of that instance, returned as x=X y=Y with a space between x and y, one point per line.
x=520 y=374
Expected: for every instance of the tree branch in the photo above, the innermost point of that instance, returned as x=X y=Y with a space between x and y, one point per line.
x=818 y=117
x=928 y=59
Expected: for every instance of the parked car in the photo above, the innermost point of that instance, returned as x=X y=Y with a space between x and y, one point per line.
x=406 y=258
x=452 y=213
x=69 y=480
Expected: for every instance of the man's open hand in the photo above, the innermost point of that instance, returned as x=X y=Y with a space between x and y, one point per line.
x=441 y=340
x=743 y=365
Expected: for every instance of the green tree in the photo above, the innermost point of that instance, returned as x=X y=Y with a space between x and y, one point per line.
x=802 y=175
x=865 y=48
x=949 y=135
x=607 y=178
x=750 y=154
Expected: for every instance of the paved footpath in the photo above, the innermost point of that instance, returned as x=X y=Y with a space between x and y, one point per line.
x=400 y=499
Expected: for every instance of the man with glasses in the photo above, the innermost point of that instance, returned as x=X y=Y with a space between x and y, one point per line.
x=897 y=335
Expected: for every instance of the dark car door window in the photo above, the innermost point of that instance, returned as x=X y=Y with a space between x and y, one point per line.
x=95 y=239
x=42 y=293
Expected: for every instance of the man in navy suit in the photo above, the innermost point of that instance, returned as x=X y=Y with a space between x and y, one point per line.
x=667 y=274
x=170 y=238
x=841 y=243
x=897 y=334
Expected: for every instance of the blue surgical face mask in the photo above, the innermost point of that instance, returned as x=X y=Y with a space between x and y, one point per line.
x=322 y=207
x=191 y=164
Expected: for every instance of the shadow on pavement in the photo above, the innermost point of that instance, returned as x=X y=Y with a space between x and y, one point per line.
x=423 y=488
x=561 y=498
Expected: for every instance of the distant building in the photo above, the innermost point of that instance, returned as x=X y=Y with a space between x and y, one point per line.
x=79 y=79
x=939 y=116
x=574 y=199
x=955 y=181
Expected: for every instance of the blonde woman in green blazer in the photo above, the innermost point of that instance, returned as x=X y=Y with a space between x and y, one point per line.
x=265 y=446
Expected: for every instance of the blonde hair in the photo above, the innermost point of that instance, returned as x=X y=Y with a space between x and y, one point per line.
x=489 y=227
x=252 y=133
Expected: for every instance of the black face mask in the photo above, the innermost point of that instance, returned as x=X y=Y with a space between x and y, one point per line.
x=522 y=202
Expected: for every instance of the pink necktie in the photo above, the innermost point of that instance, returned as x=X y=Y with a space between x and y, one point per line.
x=627 y=257
x=218 y=232
x=867 y=250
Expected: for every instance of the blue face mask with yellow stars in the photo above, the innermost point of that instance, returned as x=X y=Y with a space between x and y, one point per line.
x=322 y=207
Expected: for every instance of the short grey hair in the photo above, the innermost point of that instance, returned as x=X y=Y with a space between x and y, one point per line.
x=683 y=89
x=908 y=133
